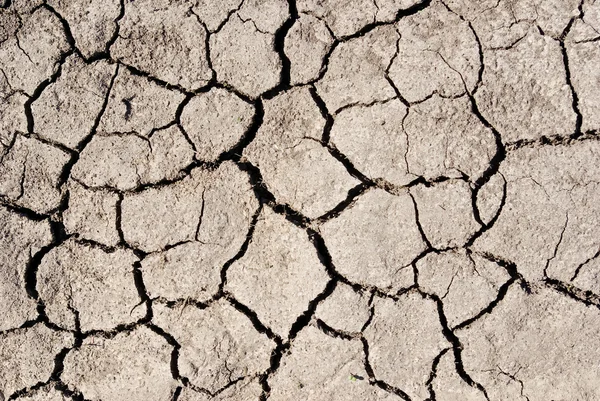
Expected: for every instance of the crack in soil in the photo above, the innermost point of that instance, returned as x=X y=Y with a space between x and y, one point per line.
x=266 y=199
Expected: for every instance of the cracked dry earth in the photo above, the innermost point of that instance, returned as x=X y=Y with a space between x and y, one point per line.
x=300 y=200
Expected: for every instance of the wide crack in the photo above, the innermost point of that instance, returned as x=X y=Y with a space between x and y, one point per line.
x=267 y=199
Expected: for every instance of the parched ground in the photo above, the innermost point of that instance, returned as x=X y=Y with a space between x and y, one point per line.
x=315 y=200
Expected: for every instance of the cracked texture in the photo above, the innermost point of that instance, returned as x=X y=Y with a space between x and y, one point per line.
x=548 y=190
x=253 y=200
x=27 y=356
x=583 y=59
x=215 y=13
x=501 y=23
x=279 y=274
x=59 y=114
x=166 y=40
x=215 y=121
x=132 y=365
x=374 y=242
x=343 y=18
x=92 y=22
x=466 y=283
x=445 y=213
x=86 y=286
x=320 y=368
x=226 y=216
x=524 y=93
x=448 y=385
x=356 y=73
x=243 y=390
x=489 y=199
x=401 y=350
x=92 y=214
x=244 y=57
x=293 y=162
x=436 y=53
x=444 y=138
x=20 y=238
x=346 y=18
x=223 y=196
x=30 y=174
x=542 y=329
x=128 y=161
x=306 y=44
x=11 y=112
x=137 y=104
x=345 y=309
x=372 y=139
x=48 y=393
x=218 y=344
x=33 y=43
x=266 y=15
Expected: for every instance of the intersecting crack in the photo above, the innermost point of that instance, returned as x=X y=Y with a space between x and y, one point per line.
x=275 y=200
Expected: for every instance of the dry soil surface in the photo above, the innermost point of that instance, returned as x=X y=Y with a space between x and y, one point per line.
x=287 y=200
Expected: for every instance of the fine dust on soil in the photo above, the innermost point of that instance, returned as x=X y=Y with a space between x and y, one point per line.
x=284 y=200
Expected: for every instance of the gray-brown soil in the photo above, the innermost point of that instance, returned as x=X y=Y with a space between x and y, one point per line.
x=320 y=200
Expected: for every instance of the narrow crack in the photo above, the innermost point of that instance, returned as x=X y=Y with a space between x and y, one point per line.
x=305 y=318
x=371 y=312
x=253 y=317
x=457 y=347
x=229 y=15
x=267 y=199
x=265 y=196
x=433 y=374
x=242 y=251
x=235 y=153
x=495 y=217
x=66 y=172
x=353 y=195
x=565 y=56
x=196 y=236
x=106 y=52
x=142 y=292
x=418 y=222
x=581 y=265
x=510 y=267
x=279 y=48
x=65 y=26
x=423 y=4
x=331 y=332
x=208 y=34
x=502 y=291
x=490 y=171
x=326 y=260
x=164 y=84
x=41 y=87
x=119 y=218
x=379 y=383
x=22 y=50
x=325 y=140
x=174 y=353
x=481 y=69
x=556 y=140
x=560 y=239
x=586 y=297
x=387 y=71
x=513 y=378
